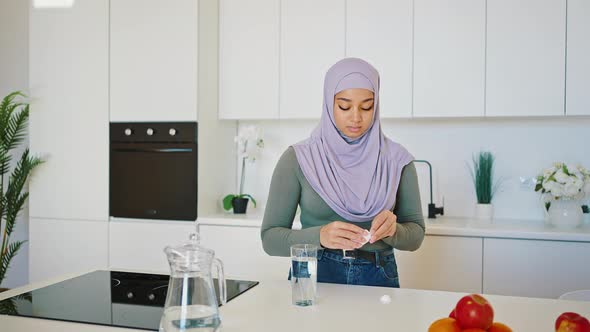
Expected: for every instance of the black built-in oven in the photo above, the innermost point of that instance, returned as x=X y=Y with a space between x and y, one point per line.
x=153 y=170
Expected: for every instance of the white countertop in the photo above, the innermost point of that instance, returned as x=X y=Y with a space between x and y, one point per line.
x=448 y=226
x=267 y=307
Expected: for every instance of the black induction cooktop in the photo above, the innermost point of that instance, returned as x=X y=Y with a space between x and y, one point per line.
x=111 y=298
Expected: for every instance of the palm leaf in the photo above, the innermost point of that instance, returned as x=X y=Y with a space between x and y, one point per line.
x=20 y=174
x=25 y=296
x=9 y=98
x=14 y=199
x=5 y=159
x=8 y=307
x=7 y=107
x=13 y=126
x=16 y=130
x=13 y=208
x=7 y=256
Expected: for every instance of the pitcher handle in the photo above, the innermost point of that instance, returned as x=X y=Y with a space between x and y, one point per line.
x=221 y=280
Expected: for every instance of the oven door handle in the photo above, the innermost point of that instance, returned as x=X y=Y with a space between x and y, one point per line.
x=156 y=150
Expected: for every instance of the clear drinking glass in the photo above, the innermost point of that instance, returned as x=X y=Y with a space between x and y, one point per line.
x=304 y=267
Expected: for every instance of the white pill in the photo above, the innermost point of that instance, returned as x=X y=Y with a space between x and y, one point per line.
x=385 y=299
x=367 y=236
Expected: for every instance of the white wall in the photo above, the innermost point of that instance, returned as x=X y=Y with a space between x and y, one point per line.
x=14 y=73
x=522 y=146
x=217 y=163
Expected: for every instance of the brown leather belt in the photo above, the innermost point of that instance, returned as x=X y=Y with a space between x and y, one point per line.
x=376 y=257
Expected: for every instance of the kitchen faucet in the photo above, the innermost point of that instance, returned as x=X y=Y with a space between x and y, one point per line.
x=433 y=210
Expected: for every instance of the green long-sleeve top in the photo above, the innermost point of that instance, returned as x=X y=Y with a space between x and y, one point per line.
x=290 y=188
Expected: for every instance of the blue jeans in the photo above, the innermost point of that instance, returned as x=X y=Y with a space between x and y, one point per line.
x=332 y=268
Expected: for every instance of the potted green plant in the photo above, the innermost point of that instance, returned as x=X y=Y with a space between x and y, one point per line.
x=249 y=144
x=13 y=125
x=482 y=173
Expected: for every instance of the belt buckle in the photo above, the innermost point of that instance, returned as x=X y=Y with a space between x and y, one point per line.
x=348 y=254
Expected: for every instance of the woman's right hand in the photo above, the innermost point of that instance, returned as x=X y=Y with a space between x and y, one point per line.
x=341 y=235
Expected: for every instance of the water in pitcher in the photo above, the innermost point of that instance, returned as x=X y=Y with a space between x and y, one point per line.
x=304 y=280
x=192 y=318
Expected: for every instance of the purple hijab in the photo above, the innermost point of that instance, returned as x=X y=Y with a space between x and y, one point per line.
x=357 y=179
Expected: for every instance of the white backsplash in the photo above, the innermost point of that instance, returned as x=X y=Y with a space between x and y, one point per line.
x=522 y=147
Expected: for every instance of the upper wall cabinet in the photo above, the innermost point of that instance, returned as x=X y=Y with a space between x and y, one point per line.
x=525 y=72
x=380 y=31
x=249 y=59
x=449 y=58
x=153 y=72
x=578 y=58
x=312 y=40
x=68 y=68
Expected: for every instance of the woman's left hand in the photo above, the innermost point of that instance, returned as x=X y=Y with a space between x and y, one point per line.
x=383 y=225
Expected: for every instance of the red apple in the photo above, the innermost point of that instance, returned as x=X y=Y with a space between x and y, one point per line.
x=571 y=322
x=452 y=314
x=475 y=312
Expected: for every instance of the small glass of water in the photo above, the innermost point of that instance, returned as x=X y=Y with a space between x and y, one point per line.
x=304 y=267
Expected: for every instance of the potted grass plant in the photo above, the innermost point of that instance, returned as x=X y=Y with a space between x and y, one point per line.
x=13 y=178
x=482 y=173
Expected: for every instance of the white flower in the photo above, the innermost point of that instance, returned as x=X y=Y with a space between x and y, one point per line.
x=560 y=176
x=250 y=142
x=548 y=185
x=571 y=168
x=557 y=191
x=564 y=181
x=571 y=190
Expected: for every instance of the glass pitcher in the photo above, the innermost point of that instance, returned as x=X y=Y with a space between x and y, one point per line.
x=191 y=301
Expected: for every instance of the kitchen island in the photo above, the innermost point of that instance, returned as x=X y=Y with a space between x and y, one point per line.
x=267 y=307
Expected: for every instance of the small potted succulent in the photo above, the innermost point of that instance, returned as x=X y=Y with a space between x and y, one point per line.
x=482 y=174
x=249 y=144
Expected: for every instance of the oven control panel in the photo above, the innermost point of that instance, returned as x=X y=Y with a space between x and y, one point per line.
x=128 y=132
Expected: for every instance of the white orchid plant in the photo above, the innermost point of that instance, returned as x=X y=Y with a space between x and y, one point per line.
x=564 y=181
x=249 y=146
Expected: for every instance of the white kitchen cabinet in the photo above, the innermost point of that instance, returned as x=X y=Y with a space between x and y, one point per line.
x=380 y=32
x=535 y=268
x=139 y=245
x=153 y=54
x=58 y=247
x=240 y=250
x=447 y=263
x=312 y=40
x=249 y=59
x=449 y=58
x=578 y=58
x=525 y=67
x=69 y=111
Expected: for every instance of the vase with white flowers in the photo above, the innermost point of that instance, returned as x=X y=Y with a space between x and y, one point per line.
x=249 y=143
x=563 y=187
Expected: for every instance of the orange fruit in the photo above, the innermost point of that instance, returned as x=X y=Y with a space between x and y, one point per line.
x=499 y=327
x=473 y=330
x=444 y=325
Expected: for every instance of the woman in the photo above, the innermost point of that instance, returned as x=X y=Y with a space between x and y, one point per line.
x=347 y=178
